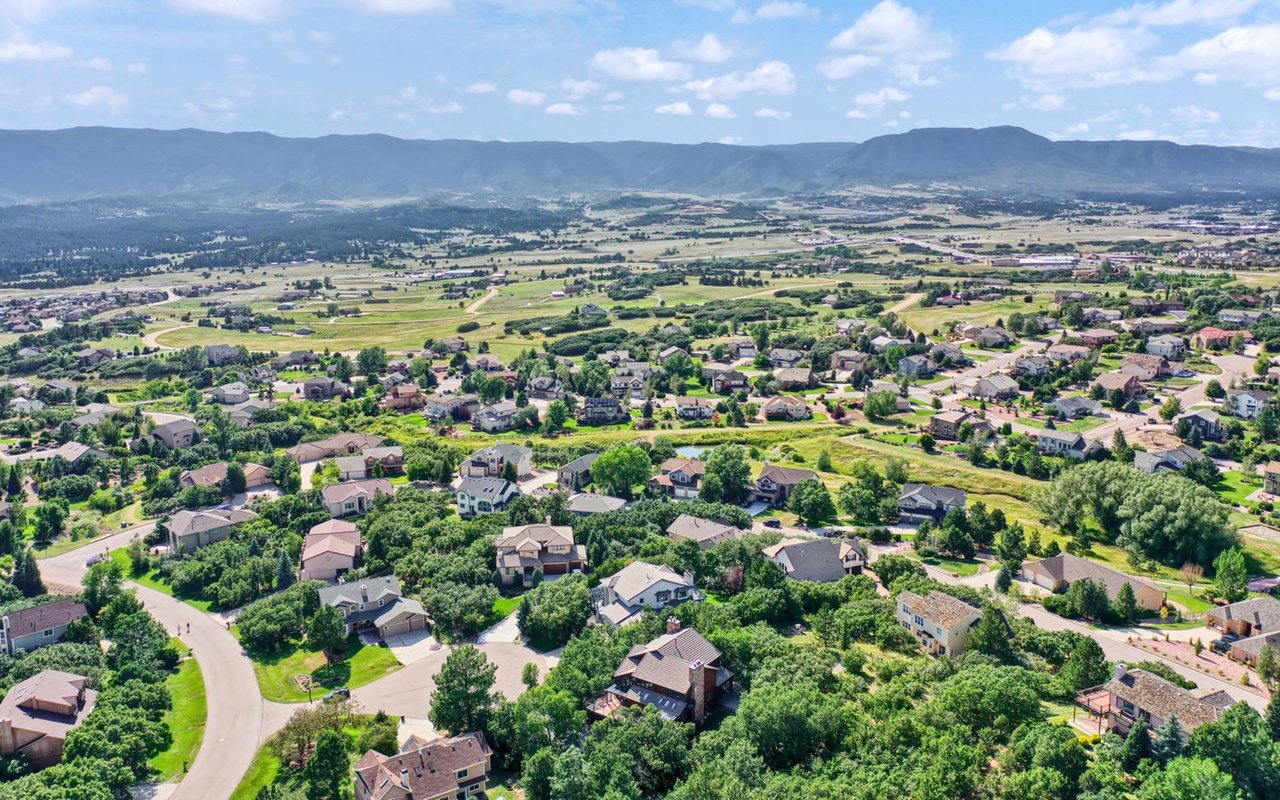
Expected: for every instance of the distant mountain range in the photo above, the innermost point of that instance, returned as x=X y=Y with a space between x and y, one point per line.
x=87 y=163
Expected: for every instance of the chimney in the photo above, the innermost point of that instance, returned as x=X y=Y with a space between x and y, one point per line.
x=698 y=691
x=1119 y=671
x=364 y=592
x=404 y=777
x=673 y=625
x=548 y=519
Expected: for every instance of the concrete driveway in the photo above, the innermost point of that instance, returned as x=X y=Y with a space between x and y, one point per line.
x=411 y=647
x=508 y=630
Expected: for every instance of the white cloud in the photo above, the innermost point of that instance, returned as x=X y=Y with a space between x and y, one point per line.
x=137 y=68
x=711 y=5
x=614 y=97
x=526 y=97
x=565 y=110
x=878 y=99
x=720 y=111
x=220 y=104
x=680 y=109
x=772 y=113
x=481 y=87
x=638 y=64
x=840 y=67
x=1247 y=53
x=99 y=97
x=730 y=140
x=217 y=106
x=336 y=115
x=709 y=49
x=1080 y=127
x=281 y=37
x=896 y=34
x=1273 y=94
x=775 y=10
x=243 y=10
x=99 y=63
x=771 y=77
x=447 y=107
x=1137 y=136
x=1195 y=115
x=1048 y=102
x=857 y=113
x=319 y=37
x=576 y=89
x=18 y=47
x=1080 y=57
x=407 y=93
x=1178 y=12
x=405 y=6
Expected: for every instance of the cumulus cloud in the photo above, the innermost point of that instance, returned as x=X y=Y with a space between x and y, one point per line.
x=895 y=34
x=771 y=77
x=96 y=97
x=404 y=6
x=526 y=97
x=1137 y=136
x=565 y=110
x=720 y=111
x=481 y=87
x=576 y=89
x=1273 y=94
x=881 y=97
x=1178 y=12
x=1195 y=115
x=709 y=50
x=137 y=68
x=20 y=47
x=243 y=10
x=772 y=113
x=1246 y=53
x=638 y=64
x=1048 y=102
x=1045 y=60
x=775 y=10
x=447 y=107
x=730 y=140
x=840 y=67
x=680 y=109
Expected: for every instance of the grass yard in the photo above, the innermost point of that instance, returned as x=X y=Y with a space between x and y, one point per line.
x=363 y=664
x=152 y=580
x=961 y=567
x=63 y=545
x=261 y=774
x=186 y=721
x=1235 y=487
x=504 y=607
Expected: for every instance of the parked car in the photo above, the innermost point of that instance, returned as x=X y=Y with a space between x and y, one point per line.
x=772 y=523
x=341 y=693
x=1220 y=647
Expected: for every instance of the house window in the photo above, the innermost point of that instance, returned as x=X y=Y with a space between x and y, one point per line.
x=462 y=773
x=49 y=633
x=662 y=597
x=919 y=621
x=681 y=593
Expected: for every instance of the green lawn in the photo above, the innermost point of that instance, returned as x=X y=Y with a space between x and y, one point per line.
x=64 y=545
x=958 y=566
x=363 y=664
x=1235 y=487
x=262 y=773
x=503 y=607
x=152 y=581
x=186 y=721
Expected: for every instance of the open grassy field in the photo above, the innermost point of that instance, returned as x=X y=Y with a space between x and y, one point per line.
x=360 y=664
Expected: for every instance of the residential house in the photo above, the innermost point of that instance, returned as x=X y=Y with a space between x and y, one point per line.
x=1067 y=352
x=178 y=434
x=1172 y=347
x=486 y=363
x=995 y=337
x=444 y=767
x=1094 y=316
x=38 y=713
x=1205 y=420
x=625 y=386
x=918 y=366
x=231 y=393
x=1246 y=403
x=523 y=550
x=404 y=397
x=546 y=387
x=354 y=498
x=1249 y=625
x=784 y=357
x=727 y=381
x=323 y=387
x=795 y=378
x=1173 y=459
x=1212 y=338
x=189 y=530
x=1062 y=297
x=679 y=478
x=918 y=502
x=243 y=414
x=624 y=595
x=585 y=504
x=1242 y=316
x=491 y=462
x=1098 y=337
x=1135 y=694
x=374 y=460
x=31 y=628
x=694 y=408
x=1271 y=478
x=330 y=550
x=1124 y=381
x=678 y=674
x=775 y=484
x=496 y=418
x=1144 y=366
x=742 y=348
x=706 y=532
x=939 y=622
x=850 y=361
x=946 y=424
x=848 y=327
x=818 y=560
x=1057 y=573
x=450 y=406
x=602 y=411
x=786 y=406
x=213 y=475
x=219 y=354
x=93 y=356
x=1033 y=366
x=337 y=445
x=376 y=604
x=577 y=473
x=883 y=342
x=1146 y=326
x=25 y=406
x=1075 y=407
x=454 y=344
x=944 y=353
x=667 y=353
x=992 y=387
x=484 y=495
x=1069 y=445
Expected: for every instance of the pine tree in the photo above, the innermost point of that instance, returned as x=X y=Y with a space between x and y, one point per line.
x=1168 y=742
x=1137 y=745
x=14 y=488
x=284 y=571
x=1272 y=718
x=26 y=574
x=1125 y=606
x=1003 y=581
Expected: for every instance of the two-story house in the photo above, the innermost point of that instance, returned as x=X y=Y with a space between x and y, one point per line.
x=354 y=498
x=1206 y=421
x=495 y=418
x=818 y=560
x=706 y=532
x=679 y=478
x=577 y=473
x=939 y=622
x=484 y=495
x=1246 y=403
x=678 y=673
x=694 y=408
x=444 y=767
x=375 y=603
x=1134 y=694
x=602 y=411
x=523 y=550
x=624 y=595
x=491 y=462
x=918 y=502
x=330 y=550
x=786 y=407
x=775 y=484
x=1069 y=445
x=231 y=393
x=189 y=530
x=1167 y=345
x=30 y=628
x=38 y=713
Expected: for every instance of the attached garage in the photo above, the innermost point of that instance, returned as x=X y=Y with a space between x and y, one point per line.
x=403 y=616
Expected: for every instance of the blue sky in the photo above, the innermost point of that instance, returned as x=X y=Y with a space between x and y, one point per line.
x=749 y=71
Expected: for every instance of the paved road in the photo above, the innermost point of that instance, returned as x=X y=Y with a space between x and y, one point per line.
x=239 y=719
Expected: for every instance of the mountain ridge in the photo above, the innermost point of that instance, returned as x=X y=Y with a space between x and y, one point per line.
x=73 y=164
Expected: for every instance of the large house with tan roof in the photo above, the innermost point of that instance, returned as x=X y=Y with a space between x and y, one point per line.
x=1057 y=573
x=189 y=530
x=679 y=478
x=938 y=621
x=775 y=484
x=354 y=498
x=524 y=550
x=330 y=550
x=38 y=713
x=255 y=475
x=624 y=595
x=1136 y=694
x=819 y=560
x=678 y=673
x=444 y=767
x=342 y=444
x=706 y=532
